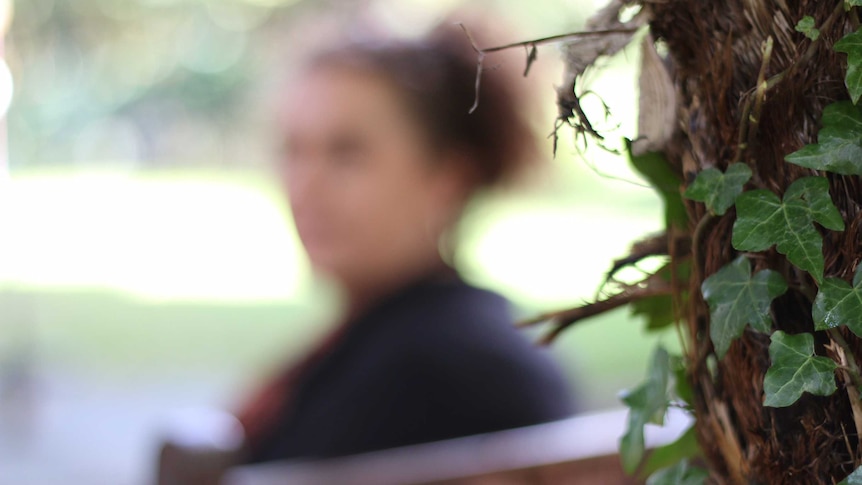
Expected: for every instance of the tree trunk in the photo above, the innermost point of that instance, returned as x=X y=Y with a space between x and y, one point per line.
x=715 y=56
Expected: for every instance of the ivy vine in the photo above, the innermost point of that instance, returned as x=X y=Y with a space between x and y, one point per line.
x=793 y=222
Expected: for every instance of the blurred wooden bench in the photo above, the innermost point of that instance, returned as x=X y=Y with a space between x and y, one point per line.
x=578 y=450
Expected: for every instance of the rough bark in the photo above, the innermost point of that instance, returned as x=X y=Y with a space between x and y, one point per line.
x=715 y=56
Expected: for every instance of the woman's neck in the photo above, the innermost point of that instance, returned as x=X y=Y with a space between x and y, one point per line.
x=366 y=293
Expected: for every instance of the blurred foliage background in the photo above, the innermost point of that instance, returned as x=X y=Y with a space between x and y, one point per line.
x=182 y=82
x=147 y=261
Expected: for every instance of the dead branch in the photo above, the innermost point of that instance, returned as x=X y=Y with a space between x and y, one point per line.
x=579 y=56
x=563 y=37
x=561 y=320
x=652 y=246
x=531 y=46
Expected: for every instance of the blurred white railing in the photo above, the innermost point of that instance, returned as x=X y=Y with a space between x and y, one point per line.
x=581 y=450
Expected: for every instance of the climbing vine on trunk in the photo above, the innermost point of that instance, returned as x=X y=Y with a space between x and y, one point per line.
x=739 y=299
x=755 y=149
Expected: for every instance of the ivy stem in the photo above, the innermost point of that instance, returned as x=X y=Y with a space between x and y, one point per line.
x=760 y=94
x=812 y=48
x=852 y=378
x=703 y=225
x=677 y=299
x=854 y=19
x=805 y=290
x=850 y=362
x=752 y=118
x=763 y=86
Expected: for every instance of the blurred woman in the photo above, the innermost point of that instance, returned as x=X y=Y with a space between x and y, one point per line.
x=382 y=157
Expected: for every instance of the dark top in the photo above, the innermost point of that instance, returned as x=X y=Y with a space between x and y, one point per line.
x=438 y=360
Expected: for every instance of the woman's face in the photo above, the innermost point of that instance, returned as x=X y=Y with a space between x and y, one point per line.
x=370 y=199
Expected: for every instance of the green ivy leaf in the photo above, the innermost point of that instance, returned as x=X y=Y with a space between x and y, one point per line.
x=806 y=26
x=795 y=369
x=686 y=446
x=839 y=304
x=839 y=145
x=658 y=311
x=854 y=478
x=719 y=190
x=680 y=474
x=654 y=167
x=737 y=299
x=851 y=44
x=764 y=220
x=647 y=404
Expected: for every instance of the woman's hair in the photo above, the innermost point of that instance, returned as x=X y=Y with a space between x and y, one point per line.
x=437 y=78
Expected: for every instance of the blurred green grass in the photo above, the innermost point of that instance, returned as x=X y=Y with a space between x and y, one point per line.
x=117 y=337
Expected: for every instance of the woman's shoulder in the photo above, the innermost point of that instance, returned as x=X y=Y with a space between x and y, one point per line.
x=454 y=323
x=432 y=313
x=463 y=342
x=440 y=308
x=459 y=343
x=443 y=325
